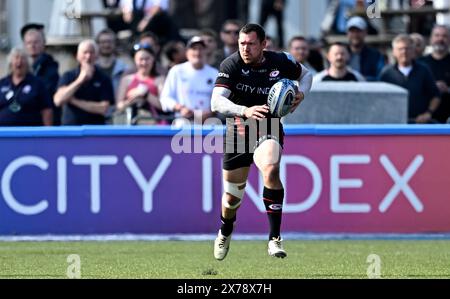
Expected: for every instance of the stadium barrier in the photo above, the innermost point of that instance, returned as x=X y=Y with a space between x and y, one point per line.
x=352 y=103
x=144 y=180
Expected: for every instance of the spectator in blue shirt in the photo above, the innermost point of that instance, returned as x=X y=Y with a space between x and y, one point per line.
x=24 y=100
x=85 y=92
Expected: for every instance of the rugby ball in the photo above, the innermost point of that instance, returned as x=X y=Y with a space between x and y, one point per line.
x=280 y=98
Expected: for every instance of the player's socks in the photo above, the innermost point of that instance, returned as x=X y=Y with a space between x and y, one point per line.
x=227 y=226
x=273 y=200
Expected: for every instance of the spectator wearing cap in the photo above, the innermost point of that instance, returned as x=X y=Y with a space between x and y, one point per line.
x=85 y=93
x=24 y=100
x=338 y=71
x=423 y=94
x=188 y=86
x=368 y=61
x=138 y=93
x=44 y=65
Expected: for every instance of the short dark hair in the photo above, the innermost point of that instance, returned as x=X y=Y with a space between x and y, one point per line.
x=297 y=38
x=35 y=26
x=236 y=22
x=170 y=49
x=149 y=34
x=106 y=31
x=339 y=44
x=209 y=32
x=260 y=33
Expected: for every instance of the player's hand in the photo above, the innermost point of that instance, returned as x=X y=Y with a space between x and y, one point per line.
x=299 y=97
x=256 y=112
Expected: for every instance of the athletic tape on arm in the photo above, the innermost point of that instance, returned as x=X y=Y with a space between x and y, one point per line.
x=220 y=103
x=305 y=81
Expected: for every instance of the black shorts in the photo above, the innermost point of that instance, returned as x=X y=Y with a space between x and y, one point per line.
x=240 y=145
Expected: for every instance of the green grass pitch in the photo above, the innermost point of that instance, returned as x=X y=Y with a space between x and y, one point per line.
x=246 y=259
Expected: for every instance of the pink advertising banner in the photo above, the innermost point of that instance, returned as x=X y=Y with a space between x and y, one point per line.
x=109 y=180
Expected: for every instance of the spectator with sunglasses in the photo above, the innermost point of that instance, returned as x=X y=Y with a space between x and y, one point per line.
x=138 y=93
x=229 y=36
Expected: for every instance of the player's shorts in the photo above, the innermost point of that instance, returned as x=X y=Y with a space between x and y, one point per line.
x=241 y=141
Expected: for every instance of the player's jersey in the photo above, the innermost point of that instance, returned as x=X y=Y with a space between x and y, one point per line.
x=250 y=85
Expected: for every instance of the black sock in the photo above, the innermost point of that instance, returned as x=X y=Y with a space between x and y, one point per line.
x=227 y=226
x=273 y=200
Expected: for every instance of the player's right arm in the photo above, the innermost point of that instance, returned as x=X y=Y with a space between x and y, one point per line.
x=220 y=103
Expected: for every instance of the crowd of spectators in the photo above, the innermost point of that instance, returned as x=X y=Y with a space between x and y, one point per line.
x=171 y=78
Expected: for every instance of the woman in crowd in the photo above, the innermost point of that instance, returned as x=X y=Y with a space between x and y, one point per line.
x=138 y=93
x=24 y=101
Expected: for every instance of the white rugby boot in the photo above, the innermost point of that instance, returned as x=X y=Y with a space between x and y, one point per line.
x=221 y=246
x=275 y=248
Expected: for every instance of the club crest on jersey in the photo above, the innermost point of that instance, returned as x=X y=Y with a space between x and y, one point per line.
x=245 y=72
x=274 y=74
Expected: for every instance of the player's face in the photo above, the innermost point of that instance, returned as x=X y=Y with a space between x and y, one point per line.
x=251 y=48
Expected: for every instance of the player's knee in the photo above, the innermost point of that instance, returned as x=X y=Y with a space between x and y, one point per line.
x=233 y=195
x=271 y=173
x=231 y=202
x=267 y=154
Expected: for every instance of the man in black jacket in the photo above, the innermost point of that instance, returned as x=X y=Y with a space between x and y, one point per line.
x=439 y=63
x=423 y=94
x=44 y=66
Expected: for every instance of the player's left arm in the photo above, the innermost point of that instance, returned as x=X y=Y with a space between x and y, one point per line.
x=304 y=86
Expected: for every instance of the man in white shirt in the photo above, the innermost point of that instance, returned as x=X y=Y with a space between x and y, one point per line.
x=188 y=86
